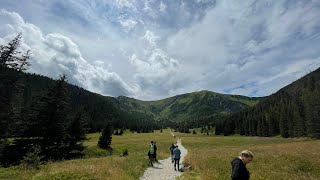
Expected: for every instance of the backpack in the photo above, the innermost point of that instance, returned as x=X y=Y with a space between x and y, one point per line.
x=151 y=149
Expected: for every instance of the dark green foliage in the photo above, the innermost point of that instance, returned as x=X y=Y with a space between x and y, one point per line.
x=106 y=137
x=194 y=132
x=33 y=158
x=12 y=62
x=46 y=124
x=293 y=111
x=125 y=152
x=121 y=132
x=77 y=132
x=4 y=144
x=48 y=121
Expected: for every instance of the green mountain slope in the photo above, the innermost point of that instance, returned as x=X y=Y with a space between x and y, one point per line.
x=189 y=107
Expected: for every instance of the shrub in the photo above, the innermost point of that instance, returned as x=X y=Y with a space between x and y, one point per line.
x=33 y=158
x=125 y=152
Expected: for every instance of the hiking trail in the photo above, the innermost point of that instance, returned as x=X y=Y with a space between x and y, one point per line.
x=164 y=170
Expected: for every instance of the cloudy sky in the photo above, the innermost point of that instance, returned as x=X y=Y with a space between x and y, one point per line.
x=153 y=49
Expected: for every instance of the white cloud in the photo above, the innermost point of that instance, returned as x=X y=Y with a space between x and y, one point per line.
x=54 y=54
x=156 y=72
x=151 y=38
x=125 y=3
x=128 y=24
x=240 y=43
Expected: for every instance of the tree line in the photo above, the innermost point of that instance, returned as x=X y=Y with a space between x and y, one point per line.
x=294 y=111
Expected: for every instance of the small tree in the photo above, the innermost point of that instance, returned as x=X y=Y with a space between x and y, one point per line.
x=106 y=137
x=33 y=158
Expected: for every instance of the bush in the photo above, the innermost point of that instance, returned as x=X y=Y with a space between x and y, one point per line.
x=125 y=152
x=33 y=158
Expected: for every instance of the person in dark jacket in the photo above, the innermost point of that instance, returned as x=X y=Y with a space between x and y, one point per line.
x=239 y=169
x=176 y=157
x=155 y=151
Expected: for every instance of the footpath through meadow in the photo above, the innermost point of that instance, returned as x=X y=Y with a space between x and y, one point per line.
x=164 y=170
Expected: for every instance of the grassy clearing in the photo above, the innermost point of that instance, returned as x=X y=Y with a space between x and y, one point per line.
x=275 y=158
x=99 y=163
x=210 y=156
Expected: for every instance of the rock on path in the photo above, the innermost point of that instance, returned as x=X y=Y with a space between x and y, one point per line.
x=164 y=170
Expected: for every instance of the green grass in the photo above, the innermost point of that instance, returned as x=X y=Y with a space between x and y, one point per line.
x=275 y=158
x=210 y=156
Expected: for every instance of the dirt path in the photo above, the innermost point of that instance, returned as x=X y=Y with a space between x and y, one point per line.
x=164 y=170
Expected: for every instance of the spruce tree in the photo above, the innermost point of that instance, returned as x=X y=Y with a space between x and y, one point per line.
x=77 y=132
x=106 y=137
x=49 y=119
x=12 y=61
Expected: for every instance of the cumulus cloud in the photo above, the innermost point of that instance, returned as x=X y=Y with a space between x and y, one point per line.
x=264 y=44
x=54 y=54
x=156 y=72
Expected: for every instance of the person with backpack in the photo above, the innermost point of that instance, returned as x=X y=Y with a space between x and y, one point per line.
x=176 y=154
x=239 y=169
x=151 y=153
x=172 y=147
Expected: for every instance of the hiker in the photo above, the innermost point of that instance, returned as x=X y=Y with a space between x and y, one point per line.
x=151 y=153
x=155 y=151
x=176 y=154
x=239 y=169
x=172 y=147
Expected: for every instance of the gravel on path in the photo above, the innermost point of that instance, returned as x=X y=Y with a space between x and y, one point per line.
x=164 y=170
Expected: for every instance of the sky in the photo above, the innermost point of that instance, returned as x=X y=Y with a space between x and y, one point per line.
x=154 y=49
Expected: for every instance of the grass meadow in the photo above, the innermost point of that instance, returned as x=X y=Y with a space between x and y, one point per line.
x=210 y=156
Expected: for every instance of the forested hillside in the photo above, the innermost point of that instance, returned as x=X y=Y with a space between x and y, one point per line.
x=97 y=109
x=293 y=111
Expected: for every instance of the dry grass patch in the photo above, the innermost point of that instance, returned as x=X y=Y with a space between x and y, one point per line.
x=275 y=158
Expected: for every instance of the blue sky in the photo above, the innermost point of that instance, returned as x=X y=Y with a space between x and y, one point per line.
x=153 y=49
